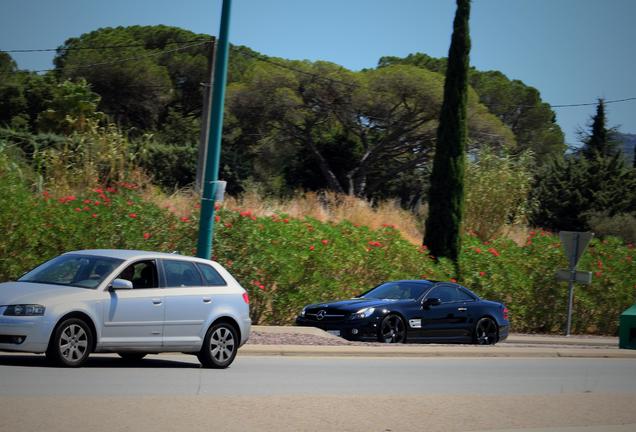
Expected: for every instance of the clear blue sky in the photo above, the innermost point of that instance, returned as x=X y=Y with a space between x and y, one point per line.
x=572 y=51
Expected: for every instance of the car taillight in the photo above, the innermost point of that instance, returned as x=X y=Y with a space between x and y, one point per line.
x=505 y=313
x=246 y=298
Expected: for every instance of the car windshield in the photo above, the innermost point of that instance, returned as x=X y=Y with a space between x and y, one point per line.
x=397 y=291
x=82 y=271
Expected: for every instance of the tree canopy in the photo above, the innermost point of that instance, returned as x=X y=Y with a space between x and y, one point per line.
x=517 y=105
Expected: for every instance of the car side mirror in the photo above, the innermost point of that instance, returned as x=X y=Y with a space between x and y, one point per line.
x=431 y=302
x=121 y=284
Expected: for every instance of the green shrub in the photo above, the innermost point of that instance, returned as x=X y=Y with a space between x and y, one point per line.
x=286 y=263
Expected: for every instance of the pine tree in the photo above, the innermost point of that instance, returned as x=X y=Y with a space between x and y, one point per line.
x=446 y=196
x=597 y=181
x=600 y=141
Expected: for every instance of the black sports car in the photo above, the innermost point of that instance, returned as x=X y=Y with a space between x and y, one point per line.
x=412 y=311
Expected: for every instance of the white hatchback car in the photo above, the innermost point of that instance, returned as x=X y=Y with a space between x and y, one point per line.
x=128 y=302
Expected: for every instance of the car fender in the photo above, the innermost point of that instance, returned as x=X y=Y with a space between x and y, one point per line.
x=60 y=311
x=220 y=313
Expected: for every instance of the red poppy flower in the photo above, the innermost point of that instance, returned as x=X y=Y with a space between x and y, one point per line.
x=146 y=236
x=184 y=219
x=132 y=215
x=311 y=248
x=217 y=219
x=325 y=242
x=482 y=274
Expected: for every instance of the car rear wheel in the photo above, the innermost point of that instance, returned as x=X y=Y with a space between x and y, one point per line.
x=219 y=346
x=71 y=343
x=392 y=330
x=486 y=332
x=132 y=356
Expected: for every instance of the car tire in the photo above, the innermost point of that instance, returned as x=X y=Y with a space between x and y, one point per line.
x=219 y=346
x=132 y=356
x=486 y=332
x=71 y=343
x=392 y=329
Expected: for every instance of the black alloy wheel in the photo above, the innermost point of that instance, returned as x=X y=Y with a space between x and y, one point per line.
x=132 y=356
x=219 y=346
x=392 y=330
x=486 y=332
x=71 y=343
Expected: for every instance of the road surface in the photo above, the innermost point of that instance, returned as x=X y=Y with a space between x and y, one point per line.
x=171 y=393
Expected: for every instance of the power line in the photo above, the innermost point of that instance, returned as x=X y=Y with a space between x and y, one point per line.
x=593 y=103
x=155 y=54
x=103 y=47
x=259 y=57
x=353 y=85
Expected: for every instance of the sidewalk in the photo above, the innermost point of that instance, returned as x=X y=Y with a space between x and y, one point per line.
x=520 y=346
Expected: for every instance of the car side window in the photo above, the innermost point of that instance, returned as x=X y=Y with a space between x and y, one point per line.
x=464 y=296
x=142 y=274
x=181 y=274
x=210 y=275
x=445 y=293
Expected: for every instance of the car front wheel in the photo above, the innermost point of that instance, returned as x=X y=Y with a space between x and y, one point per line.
x=486 y=332
x=71 y=343
x=392 y=330
x=219 y=346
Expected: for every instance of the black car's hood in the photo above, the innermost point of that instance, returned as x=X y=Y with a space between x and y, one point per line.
x=352 y=305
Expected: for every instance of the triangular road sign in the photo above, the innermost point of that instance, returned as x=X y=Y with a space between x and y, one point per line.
x=574 y=243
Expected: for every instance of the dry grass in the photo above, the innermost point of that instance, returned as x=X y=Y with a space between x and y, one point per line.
x=331 y=207
x=323 y=206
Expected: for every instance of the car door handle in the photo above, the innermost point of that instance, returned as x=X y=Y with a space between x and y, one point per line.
x=462 y=309
x=207 y=300
x=156 y=301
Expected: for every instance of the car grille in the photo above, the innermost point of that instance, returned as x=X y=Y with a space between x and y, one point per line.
x=324 y=315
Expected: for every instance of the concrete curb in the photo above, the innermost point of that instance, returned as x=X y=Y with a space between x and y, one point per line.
x=424 y=351
x=529 y=346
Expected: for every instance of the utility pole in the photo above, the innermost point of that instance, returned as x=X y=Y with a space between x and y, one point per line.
x=213 y=157
x=205 y=119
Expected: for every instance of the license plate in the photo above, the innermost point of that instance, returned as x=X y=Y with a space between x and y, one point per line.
x=334 y=332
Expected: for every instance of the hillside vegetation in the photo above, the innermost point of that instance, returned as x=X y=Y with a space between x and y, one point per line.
x=286 y=262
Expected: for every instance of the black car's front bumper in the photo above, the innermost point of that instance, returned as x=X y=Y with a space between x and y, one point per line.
x=365 y=329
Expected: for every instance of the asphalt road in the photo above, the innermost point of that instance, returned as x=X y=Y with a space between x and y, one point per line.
x=170 y=392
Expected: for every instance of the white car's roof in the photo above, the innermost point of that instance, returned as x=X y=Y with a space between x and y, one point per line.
x=130 y=254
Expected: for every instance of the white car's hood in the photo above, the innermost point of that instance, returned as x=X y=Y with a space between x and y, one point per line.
x=36 y=293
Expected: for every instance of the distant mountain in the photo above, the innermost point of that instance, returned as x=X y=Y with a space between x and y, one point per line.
x=628 y=145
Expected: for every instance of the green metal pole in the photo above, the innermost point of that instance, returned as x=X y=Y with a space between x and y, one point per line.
x=206 y=224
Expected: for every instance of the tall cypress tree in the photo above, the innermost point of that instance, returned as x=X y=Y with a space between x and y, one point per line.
x=446 y=196
x=599 y=143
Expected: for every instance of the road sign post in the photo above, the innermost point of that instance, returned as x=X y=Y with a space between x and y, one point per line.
x=574 y=244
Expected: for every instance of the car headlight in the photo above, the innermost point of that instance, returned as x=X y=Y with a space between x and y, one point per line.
x=24 y=310
x=363 y=313
x=302 y=312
